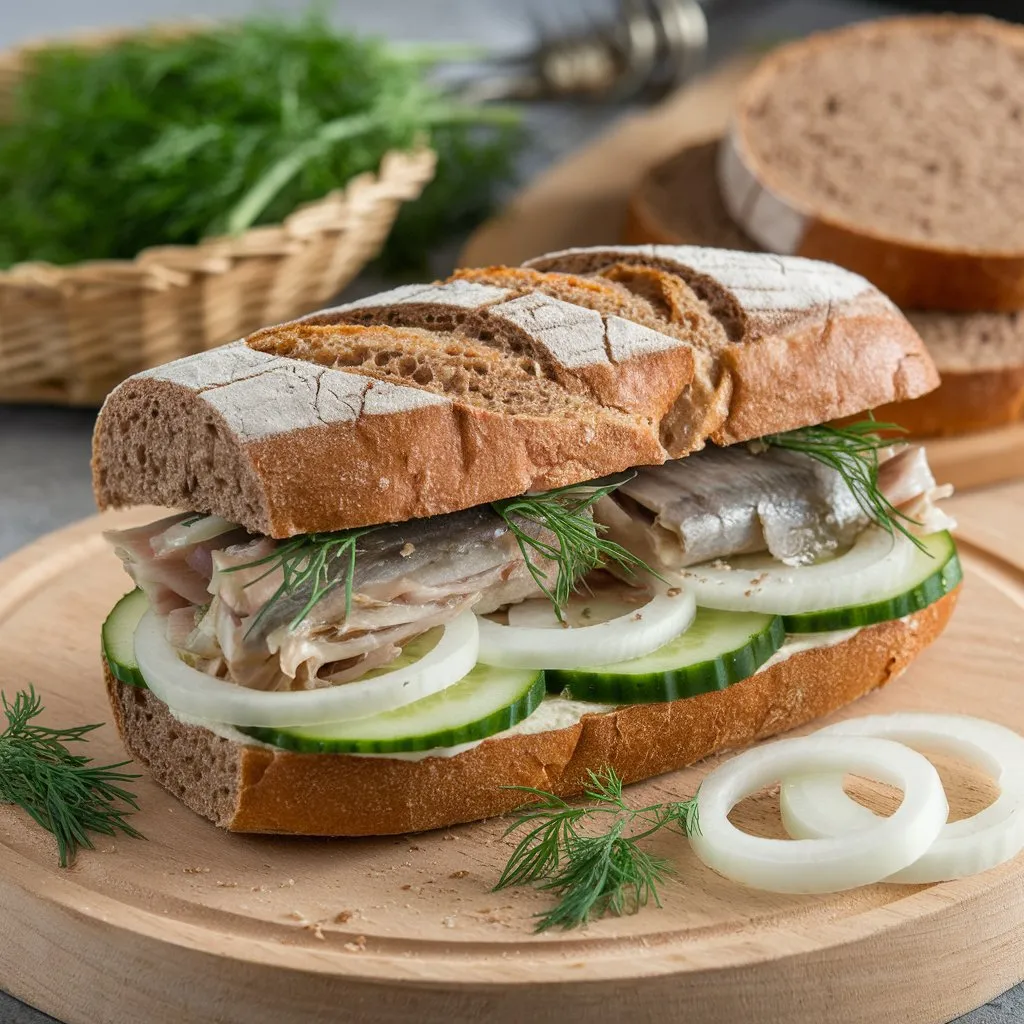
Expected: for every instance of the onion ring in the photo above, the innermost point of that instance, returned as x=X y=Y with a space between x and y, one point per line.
x=818 y=806
x=819 y=865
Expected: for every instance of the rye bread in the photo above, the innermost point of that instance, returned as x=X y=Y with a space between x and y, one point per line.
x=248 y=788
x=979 y=356
x=797 y=328
x=323 y=425
x=894 y=148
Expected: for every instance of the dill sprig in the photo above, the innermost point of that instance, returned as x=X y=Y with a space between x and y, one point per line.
x=63 y=792
x=589 y=857
x=320 y=562
x=852 y=451
x=578 y=545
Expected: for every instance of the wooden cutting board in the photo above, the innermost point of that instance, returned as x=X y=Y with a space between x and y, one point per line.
x=582 y=201
x=199 y=925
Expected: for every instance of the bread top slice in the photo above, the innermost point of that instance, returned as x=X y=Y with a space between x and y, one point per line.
x=805 y=341
x=895 y=148
x=325 y=424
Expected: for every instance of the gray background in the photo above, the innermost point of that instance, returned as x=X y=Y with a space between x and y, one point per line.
x=44 y=453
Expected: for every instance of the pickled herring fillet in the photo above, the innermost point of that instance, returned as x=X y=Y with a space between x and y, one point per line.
x=728 y=501
x=227 y=615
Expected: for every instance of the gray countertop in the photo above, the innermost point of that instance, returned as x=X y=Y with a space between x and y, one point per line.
x=44 y=452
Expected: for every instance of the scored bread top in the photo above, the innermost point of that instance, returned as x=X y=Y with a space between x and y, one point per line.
x=433 y=398
x=806 y=341
x=895 y=148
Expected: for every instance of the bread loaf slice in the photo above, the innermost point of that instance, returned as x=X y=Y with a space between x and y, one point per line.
x=250 y=788
x=323 y=424
x=981 y=360
x=806 y=341
x=979 y=356
x=894 y=148
x=679 y=202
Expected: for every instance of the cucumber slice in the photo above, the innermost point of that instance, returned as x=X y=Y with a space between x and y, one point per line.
x=119 y=637
x=486 y=701
x=932 y=574
x=719 y=649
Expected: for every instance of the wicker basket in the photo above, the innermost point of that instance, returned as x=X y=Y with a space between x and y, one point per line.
x=68 y=334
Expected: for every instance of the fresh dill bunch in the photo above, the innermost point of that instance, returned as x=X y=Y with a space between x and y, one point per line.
x=65 y=793
x=852 y=451
x=166 y=141
x=578 y=545
x=590 y=857
x=319 y=562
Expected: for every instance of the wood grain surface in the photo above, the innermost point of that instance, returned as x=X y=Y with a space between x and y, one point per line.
x=582 y=201
x=196 y=924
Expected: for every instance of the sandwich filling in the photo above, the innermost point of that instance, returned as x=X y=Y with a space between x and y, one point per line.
x=326 y=610
x=232 y=613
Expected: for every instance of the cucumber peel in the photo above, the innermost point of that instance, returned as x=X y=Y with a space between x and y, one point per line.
x=933 y=573
x=719 y=649
x=118 y=637
x=488 y=700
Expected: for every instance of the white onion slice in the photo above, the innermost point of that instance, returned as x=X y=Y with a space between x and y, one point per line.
x=582 y=610
x=818 y=806
x=191 y=692
x=763 y=584
x=179 y=535
x=638 y=632
x=819 y=865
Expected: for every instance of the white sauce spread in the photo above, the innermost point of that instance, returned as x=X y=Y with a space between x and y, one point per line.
x=554 y=712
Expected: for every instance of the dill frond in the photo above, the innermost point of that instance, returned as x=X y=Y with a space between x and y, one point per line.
x=852 y=451
x=65 y=793
x=590 y=857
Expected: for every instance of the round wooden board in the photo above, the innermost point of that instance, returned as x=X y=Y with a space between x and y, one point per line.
x=582 y=201
x=196 y=924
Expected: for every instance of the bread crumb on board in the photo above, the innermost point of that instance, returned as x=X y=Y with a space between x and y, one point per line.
x=358 y=945
x=343 y=916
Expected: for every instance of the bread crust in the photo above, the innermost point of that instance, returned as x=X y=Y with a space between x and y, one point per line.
x=965 y=400
x=257 y=789
x=915 y=275
x=287 y=445
x=814 y=352
x=962 y=403
x=356 y=471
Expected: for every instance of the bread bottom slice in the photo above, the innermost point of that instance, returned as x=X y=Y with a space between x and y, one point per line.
x=980 y=356
x=247 y=788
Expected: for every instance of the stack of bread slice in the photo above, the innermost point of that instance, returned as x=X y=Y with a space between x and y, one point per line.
x=894 y=148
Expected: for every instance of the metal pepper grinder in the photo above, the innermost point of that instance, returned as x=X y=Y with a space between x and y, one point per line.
x=649 y=48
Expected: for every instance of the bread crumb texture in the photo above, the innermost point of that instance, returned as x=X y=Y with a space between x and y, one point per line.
x=909 y=128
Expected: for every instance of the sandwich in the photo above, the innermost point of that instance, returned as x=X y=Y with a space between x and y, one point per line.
x=889 y=147
x=512 y=527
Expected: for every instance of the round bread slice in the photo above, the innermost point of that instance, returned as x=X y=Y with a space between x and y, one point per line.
x=979 y=356
x=893 y=148
x=256 y=788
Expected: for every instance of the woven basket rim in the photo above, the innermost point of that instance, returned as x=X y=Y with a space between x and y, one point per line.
x=401 y=174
